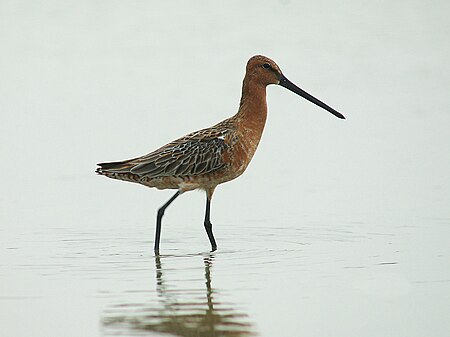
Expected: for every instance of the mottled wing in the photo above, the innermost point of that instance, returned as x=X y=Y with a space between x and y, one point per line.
x=185 y=157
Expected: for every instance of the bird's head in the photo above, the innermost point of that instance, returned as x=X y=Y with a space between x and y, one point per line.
x=264 y=71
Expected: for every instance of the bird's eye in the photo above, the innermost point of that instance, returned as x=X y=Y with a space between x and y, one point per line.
x=266 y=65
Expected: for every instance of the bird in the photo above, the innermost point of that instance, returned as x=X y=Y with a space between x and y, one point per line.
x=208 y=157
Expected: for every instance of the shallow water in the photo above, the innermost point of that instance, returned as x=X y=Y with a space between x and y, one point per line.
x=302 y=279
x=338 y=228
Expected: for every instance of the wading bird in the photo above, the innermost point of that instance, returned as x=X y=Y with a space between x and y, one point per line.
x=212 y=156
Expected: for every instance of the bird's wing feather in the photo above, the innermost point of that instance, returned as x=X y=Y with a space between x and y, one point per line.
x=195 y=154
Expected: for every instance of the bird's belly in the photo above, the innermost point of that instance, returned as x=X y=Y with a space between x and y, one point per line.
x=186 y=183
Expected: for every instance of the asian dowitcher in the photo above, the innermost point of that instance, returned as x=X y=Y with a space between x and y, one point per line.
x=212 y=156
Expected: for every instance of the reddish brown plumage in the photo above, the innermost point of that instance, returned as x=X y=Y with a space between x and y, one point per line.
x=209 y=157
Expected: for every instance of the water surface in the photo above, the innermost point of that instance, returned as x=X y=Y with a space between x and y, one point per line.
x=338 y=228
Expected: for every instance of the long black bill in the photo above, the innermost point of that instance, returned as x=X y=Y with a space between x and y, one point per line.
x=284 y=82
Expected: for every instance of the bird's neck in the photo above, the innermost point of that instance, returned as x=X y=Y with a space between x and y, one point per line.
x=252 y=111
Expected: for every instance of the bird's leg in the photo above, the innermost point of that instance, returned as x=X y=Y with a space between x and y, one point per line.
x=208 y=224
x=158 y=221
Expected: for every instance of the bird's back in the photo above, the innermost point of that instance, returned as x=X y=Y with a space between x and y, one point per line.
x=201 y=156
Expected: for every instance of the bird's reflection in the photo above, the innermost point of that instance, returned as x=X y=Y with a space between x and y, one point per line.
x=179 y=313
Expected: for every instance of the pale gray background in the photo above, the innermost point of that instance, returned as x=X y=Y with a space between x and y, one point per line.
x=338 y=228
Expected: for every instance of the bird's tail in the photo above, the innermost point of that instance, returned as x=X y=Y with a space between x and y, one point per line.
x=120 y=170
x=106 y=169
